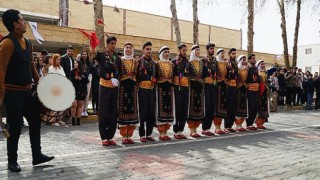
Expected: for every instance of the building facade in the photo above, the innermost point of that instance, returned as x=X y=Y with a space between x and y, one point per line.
x=309 y=58
x=126 y=25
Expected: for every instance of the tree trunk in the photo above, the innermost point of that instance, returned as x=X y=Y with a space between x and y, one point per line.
x=284 y=33
x=175 y=21
x=98 y=14
x=63 y=12
x=195 y=22
x=250 y=26
x=296 y=34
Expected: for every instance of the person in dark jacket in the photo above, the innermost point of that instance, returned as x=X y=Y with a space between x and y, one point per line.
x=95 y=87
x=282 y=88
x=67 y=61
x=317 y=88
x=79 y=79
x=309 y=90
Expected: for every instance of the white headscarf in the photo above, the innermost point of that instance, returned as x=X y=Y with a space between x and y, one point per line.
x=258 y=65
x=193 y=55
x=240 y=58
x=125 y=56
x=218 y=57
x=161 y=53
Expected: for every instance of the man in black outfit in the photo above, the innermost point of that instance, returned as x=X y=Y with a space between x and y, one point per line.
x=109 y=65
x=16 y=73
x=67 y=61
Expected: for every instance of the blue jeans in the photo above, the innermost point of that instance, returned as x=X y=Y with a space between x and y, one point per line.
x=309 y=100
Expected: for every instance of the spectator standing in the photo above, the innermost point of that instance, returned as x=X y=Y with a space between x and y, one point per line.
x=309 y=91
x=274 y=86
x=282 y=87
x=56 y=67
x=84 y=58
x=67 y=61
x=289 y=87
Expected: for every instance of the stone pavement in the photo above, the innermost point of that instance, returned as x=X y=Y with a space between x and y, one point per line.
x=289 y=149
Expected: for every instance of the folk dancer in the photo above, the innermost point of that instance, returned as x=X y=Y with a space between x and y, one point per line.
x=181 y=90
x=242 y=104
x=196 y=97
x=164 y=93
x=16 y=72
x=209 y=75
x=128 y=105
x=221 y=100
x=109 y=65
x=232 y=76
x=146 y=78
x=253 y=80
x=263 y=100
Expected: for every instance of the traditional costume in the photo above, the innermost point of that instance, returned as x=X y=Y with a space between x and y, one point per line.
x=146 y=78
x=164 y=95
x=263 y=100
x=221 y=100
x=181 y=93
x=232 y=76
x=109 y=65
x=209 y=76
x=196 y=97
x=128 y=105
x=252 y=95
x=242 y=103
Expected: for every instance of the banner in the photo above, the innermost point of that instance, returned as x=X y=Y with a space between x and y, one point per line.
x=36 y=34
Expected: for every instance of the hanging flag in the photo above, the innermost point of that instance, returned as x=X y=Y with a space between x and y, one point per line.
x=116 y=9
x=94 y=41
x=100 y=22
x=36 y=34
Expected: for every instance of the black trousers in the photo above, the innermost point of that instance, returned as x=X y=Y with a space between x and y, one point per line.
x=19 y=104
x=231 y=106
x=181 y=96
x=289 y=91
x=299 y=95
x=95 y=100
x=210 y=97
x=252 y=106
x=294 y=95
x=317 y=101
x=147 y=111
x=108 y=112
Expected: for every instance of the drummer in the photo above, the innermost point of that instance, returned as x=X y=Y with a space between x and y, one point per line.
x=79 y=78
x=16 y=68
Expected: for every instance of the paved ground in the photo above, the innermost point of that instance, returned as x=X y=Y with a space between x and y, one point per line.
x=289 y=149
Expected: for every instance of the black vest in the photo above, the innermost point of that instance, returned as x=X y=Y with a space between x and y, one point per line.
x=19 y=67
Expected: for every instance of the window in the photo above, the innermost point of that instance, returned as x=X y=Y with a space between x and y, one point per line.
x=309 y=51
x=308 y=69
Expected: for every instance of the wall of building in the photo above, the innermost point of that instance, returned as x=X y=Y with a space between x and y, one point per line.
x=59 y=37
x=306 y=61
x=126 y=25
x=130 y=22
x=49 y=7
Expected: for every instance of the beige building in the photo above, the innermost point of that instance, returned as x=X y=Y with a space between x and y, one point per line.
x=126 y=25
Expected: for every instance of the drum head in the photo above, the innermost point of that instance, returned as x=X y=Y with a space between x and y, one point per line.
x=56 y=92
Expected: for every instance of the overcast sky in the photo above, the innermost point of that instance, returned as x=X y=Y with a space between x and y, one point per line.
x=230 y=14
